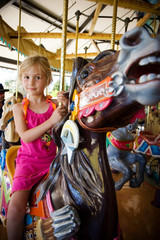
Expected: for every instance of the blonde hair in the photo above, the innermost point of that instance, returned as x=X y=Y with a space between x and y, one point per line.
x=41 y=61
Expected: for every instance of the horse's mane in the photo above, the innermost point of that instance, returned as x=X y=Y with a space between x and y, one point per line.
x=79 y=175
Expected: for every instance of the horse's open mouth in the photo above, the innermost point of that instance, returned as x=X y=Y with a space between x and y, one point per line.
x=144 y=70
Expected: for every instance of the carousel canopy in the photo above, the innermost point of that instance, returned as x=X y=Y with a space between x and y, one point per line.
x=41 y=27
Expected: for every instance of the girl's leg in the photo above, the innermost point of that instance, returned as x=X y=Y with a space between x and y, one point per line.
x=15 y=215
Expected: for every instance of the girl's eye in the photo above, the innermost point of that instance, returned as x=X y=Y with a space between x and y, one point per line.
x=38 y=77
x=26 y=77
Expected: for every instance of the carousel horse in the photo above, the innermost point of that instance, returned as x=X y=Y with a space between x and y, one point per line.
x=122 y=158
x=9 y=137
x=7 y=122
x=77 y=199
x=149 y=144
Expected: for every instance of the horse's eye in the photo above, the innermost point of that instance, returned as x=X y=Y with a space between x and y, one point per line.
x=84 y=73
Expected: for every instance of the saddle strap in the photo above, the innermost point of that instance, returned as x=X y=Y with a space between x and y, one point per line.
x=120 y=144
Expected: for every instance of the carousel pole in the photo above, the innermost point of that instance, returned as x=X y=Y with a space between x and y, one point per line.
x=115 y=5
x=40 y=46
x=18 y=48
x=77 y=30
x=63 y=48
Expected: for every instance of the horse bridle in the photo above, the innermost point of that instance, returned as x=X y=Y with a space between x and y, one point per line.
x=107 y=89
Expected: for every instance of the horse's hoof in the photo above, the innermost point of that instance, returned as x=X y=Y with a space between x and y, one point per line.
x=134 y=183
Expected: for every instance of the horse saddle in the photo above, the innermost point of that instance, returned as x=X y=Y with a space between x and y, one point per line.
x=150 y=138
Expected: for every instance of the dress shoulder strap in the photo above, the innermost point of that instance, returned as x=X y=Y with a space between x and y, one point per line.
x=25 y=107
x=48 y=99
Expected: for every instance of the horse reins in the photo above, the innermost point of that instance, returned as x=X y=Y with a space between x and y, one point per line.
x=104 y=129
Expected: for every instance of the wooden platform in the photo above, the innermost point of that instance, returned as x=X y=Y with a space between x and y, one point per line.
x=139 y=219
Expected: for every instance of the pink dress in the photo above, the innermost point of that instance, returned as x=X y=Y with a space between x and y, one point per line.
x=34 y=158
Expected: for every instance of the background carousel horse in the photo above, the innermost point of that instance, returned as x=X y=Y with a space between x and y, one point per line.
x=7 y=122
x=78 y=194
x=122 y=158
x=10 y=137
x=148 y=144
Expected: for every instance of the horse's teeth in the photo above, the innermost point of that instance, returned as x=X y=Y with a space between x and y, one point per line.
x=143 y=79
x=143 y=62
x=152 y=59
x=151 y=76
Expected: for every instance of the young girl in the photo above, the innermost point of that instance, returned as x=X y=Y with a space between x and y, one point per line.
x=34 y=118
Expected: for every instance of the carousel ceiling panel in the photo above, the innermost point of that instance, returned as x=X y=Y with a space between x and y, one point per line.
x=45 y=17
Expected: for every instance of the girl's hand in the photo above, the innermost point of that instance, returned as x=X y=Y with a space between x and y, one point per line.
x=58 y=114
x=62 y=97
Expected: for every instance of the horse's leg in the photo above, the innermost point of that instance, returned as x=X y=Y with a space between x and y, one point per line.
x=139 y=178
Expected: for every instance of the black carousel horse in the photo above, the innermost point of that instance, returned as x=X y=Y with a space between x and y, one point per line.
x=110 y=90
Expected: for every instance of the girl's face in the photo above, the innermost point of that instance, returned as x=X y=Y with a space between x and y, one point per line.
x=34 y=80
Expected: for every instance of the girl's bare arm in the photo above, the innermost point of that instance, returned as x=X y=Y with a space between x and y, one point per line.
x=29 y=135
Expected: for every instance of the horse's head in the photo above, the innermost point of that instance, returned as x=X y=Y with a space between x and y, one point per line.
x=115 y=85
x=7 y=115
x=7 y=122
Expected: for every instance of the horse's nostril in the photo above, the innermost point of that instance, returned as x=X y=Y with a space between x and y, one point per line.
x=132 y=38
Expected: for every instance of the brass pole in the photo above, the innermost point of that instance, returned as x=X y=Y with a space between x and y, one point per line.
x=63 y=48
x=115 y=5
x=18 y=47
x=40 y=46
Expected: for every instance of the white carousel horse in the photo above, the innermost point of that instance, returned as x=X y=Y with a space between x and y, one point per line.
x=7 y=122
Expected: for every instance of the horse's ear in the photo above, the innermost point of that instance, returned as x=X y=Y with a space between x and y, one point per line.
x=104 y=54
x=78 y=64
